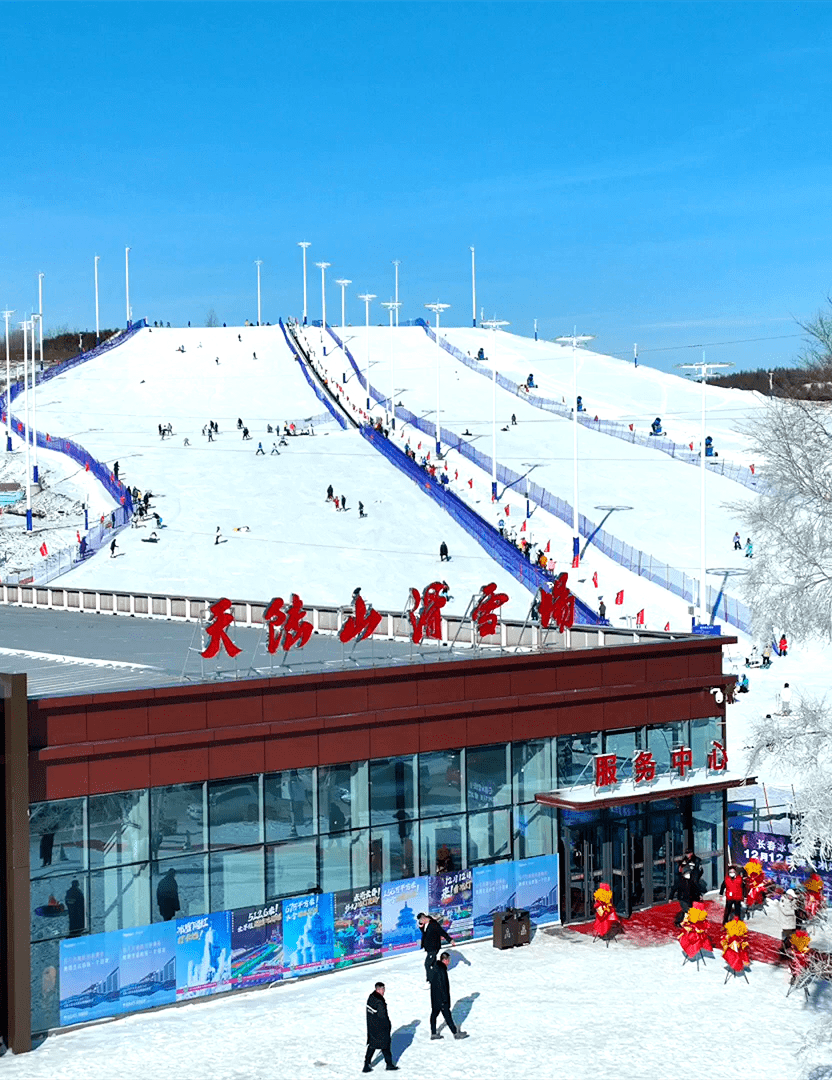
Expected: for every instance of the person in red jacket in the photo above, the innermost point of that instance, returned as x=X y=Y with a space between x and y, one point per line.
x=733 y=887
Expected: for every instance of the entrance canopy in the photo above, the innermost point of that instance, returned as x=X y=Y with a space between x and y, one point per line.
x=589 y=797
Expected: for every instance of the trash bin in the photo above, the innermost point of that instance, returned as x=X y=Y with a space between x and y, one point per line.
x=523 y=928
x=504 y=929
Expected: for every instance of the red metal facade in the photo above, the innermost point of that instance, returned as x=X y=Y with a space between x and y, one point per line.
x=117 y=742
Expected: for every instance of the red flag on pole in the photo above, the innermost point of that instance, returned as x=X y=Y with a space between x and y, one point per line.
x=508 y=511
x=471 y=484
x=78 y=536
x=523 y=527
x=43 y=550
x=631 y=427
x=576 y=562
x=640 y=618
x=595 y=579
x=548 y=546
x=752 y=469
x=619 y=597
x=667 y=626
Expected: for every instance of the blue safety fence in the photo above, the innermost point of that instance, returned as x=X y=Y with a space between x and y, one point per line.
x=319 y=393
x=740 y=474
x=502 y=551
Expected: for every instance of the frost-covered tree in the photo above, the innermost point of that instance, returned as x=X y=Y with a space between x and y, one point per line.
x=211 y=318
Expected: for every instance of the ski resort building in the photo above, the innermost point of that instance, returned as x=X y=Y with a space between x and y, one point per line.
x=600 y=751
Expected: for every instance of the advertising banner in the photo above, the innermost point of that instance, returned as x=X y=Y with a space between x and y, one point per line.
x=308 y=934
x=401 y=902
x=90 y=978
x=452 y=903
x=357 y=926
x=148 y=967
x=203 y=955
x=536 y=882
x=774 y=851
x=493 y=891
x=257 y=945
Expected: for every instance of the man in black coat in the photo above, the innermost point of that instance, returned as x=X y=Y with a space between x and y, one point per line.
x=167 y=896
x=379 y=1030
x=75 y=907
x=687 y=889
x=433 y=934
x=440 y=999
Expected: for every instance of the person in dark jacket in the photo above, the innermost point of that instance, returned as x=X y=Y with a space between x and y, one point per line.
x=433 y=934
x=167 y=896
x=443 y=552
x=440 y=999
x=75 y=907
x=733 y=888
x=379 y=1030
x=686 y=889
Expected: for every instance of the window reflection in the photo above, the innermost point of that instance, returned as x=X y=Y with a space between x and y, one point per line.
x=489 y=836
x=237 y=878
x=58 y=837
x=292 y=868
x=624 y=745
x=392 y=852
x=392 y=789
x=119 y=828
x=576 y=757
x=234 y=812
x=178 y=822
x=663 y=739
x=441 y=845
x=345 y=862
x=532 y=830
x=290 y=804
x=530 y=768
x=188 y=887
x=441 y=789
x=119 y=898
x=343 y=797
x=487 y=776
x=59 y=906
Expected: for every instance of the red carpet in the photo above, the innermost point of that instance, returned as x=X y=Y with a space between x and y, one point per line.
x=655 y=927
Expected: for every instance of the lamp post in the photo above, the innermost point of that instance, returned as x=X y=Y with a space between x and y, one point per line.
x=304 y=244
x=25 y=328
x=437 y=309
x=323 y=266
x=702 y=370
x=7 y=315
x=393 y=307
x=608 y=510
x=127 y=282
x=258 y=263
x=35 y=478
x=473 y=289
x=397 y=263
x=97 y=332
x=343 y=282
x=367 y=297
x=575 y=339
x=494 y=325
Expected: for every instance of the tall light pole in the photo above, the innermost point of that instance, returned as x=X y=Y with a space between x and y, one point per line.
x=322 y=266
x=97 y=332
x=25 y=328
x=35 y=477
x=397 y=263
x=258 y=263
x=575 y=339
x=437 y=309
x=702 y=370
x=393 y=307
x=127 y=282
x=304 y=244
x=494 y=325
x=473 y=288
x=367 y=297
x=343 y=282
x=7 y=315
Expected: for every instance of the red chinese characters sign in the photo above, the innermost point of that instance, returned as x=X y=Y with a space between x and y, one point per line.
x=361 y=624
x=484 y=616
x=608 y=770
x=426 y=616
x=557 y=606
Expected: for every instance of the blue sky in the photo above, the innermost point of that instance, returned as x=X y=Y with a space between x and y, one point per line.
x=652 y=173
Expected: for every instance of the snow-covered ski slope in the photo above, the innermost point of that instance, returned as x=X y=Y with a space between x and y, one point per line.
x=295 y=540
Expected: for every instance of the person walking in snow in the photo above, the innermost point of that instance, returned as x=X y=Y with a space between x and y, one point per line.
x=737 y=542
x=379 y=1029
x=686 y=888
x=433 y=934
x=787 y=910
x=343 y=502
x=786 y=700
x=749 y=549
x=783 y=645
x=443 y=552
x=115 y=469
x=113 y=549
x=246 y=434
x=440 y=999
x=361 y=513
x=275 y=450
x=330 y=494
x=218 y=537
x=259 y=450
x=239 y=424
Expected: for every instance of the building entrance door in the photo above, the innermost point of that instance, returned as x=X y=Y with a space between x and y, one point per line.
x=595 y=852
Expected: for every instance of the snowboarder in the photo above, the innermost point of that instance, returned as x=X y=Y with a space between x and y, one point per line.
x=158 y=519
x=440 y=999
x=379 y=1029
x=82 y=548
x=113 y=549
x=239 y=424
x=218 y=537
x=187 y=442
x=275 y=450
x=742 y=685
x=254 y=356
x=361 y=513
x=737 y=542
x=115 y=469
x=767 y=656
x=259 y=450
x=167 y=896
x=749 y=549
x=210 y=435
x=246 y=434
x=433 y=934
x=733 y=888
x=217 y=360
x=443 y=552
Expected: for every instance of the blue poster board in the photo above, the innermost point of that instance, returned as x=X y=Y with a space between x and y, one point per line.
x=357 y=925
x=308 y=935
x=493 y=891
x=452 y=903
x=203 y=955
x=90 y=978
x=148 y=967
x=537 y=888
x=257 y=945
x=401 y=902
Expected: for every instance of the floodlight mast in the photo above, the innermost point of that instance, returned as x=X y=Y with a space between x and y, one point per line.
x=702 y=369
x=473 y=288
x=127 y=283
x=258 y=263
x=97 y=331
x=575 y=339
x=25 y=328
x=343 y=282
x=322 y=267
x=494 y=325
x=437 y=309
x=367 y=298
x=304 y=244
x=393 y=307
x=397 y=263
x=7 y=315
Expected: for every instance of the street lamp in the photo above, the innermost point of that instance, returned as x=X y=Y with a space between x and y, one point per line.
x=25 y=328
x=7 y=315
x=702 y=371
x=473 y=288
x=575 y=339
x=397 y=263
x=367 y=297
x=393 y=307
x=322 y=266
x=97 y=333
x=609 y=510
x=726 y=572
x=494 y=325
x=127 y=283
x=437 y=309
x=343 y=282
x=304 y=244
x=258 y=263
x=35 y=316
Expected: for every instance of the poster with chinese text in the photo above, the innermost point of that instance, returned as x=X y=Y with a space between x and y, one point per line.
x=257 y=945
x=203 y=955
x=308 y=936
x=357 y=925
x=90 y=977
x=493 y=892
x=401 y=902
x=536 y=884
x=148 y=967
x=452 y=903
x=773 y=851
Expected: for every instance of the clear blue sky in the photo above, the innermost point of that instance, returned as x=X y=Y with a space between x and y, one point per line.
x=652 y=173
